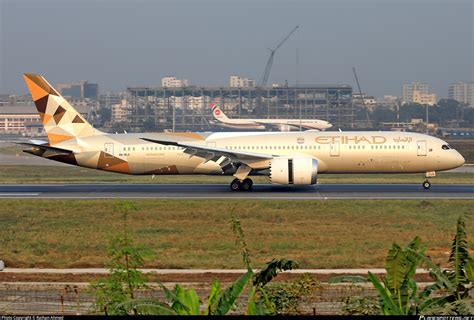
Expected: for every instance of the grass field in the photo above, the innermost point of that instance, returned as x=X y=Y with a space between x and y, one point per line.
x=196 y=234
x=72 y=174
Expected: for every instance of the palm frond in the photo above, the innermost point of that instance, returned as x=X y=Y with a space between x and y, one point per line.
x=271 y=269
x=459 y=252
x=229 y=295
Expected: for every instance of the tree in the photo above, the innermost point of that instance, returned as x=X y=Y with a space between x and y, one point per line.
x=398 y=291
x=105 y=114
x=124 y=277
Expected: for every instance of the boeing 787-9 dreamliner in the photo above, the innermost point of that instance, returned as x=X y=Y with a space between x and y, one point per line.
x=287 y=158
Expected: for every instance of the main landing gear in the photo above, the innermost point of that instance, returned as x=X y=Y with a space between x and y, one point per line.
x=245 y=185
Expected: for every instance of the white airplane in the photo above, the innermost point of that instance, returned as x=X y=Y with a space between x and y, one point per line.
x=265 y=124
x=287 y=158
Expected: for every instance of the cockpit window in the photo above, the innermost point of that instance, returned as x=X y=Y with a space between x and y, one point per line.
x=445 y=147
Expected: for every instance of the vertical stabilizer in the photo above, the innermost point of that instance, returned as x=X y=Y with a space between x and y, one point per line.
x=60 y=120
x=218 y=113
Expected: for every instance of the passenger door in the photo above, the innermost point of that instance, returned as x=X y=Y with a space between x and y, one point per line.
x=421 y=148
x=109 y=150
x=334 y=149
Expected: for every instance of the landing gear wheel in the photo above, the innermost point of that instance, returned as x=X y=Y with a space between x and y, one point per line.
x=247 y=184
x=236 y=185
x=426 y=185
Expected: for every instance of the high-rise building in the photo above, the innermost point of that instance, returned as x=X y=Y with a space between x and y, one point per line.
x=173 y=82
x=240 y=82
x=79 y=90
x=121 y=112
x=462 y=92
x=410 y=88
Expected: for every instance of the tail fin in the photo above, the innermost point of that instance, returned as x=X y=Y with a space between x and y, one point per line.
x=218 y=113
x=60 y=120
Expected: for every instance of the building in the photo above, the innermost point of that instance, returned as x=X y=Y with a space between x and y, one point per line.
x=79 y=90
x=25 y=120
x=462 y=92
x=424 y=98
x=410 y=88
x=13 y=100
x=388 y=101
x=173 y=82
x=364 y=100
x=240 y=82
x=20 y=120
x=121 y=112
x=187 y=108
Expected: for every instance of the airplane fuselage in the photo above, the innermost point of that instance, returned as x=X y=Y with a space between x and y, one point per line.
x=336 y=152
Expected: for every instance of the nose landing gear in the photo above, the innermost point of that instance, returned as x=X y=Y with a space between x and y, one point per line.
x=426 y=184
x=245 y=185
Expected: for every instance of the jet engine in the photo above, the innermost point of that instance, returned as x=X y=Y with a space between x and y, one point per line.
x=297 y=170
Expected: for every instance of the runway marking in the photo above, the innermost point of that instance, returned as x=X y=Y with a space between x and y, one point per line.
x=18 y=194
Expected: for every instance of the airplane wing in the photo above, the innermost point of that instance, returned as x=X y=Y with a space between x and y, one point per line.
x=222 y=156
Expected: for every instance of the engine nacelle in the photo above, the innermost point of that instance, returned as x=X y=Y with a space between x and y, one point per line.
x=298 y=170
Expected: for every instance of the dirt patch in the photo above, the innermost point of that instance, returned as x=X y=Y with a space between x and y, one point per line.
x=181 y=278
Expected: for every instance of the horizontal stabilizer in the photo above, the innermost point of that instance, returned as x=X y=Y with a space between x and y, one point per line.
x=44 y=147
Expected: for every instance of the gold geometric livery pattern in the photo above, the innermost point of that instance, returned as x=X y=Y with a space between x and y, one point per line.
x=61 y=121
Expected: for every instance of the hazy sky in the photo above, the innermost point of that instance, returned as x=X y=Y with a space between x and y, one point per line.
x=120 y=43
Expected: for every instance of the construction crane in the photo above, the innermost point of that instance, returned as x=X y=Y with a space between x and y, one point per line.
x=361 y=97
x=266 y=74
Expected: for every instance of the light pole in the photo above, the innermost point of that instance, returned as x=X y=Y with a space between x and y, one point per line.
x=427 y=131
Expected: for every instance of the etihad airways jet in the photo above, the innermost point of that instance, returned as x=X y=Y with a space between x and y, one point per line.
x=289 y=158
x=262 y=124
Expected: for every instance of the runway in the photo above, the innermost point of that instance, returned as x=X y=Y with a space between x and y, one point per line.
x=222 y=191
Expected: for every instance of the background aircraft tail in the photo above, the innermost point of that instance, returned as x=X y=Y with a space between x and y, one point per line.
x=218 y=113
x=60 y=120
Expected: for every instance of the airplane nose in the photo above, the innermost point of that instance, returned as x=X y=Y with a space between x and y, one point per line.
x=460 y=159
